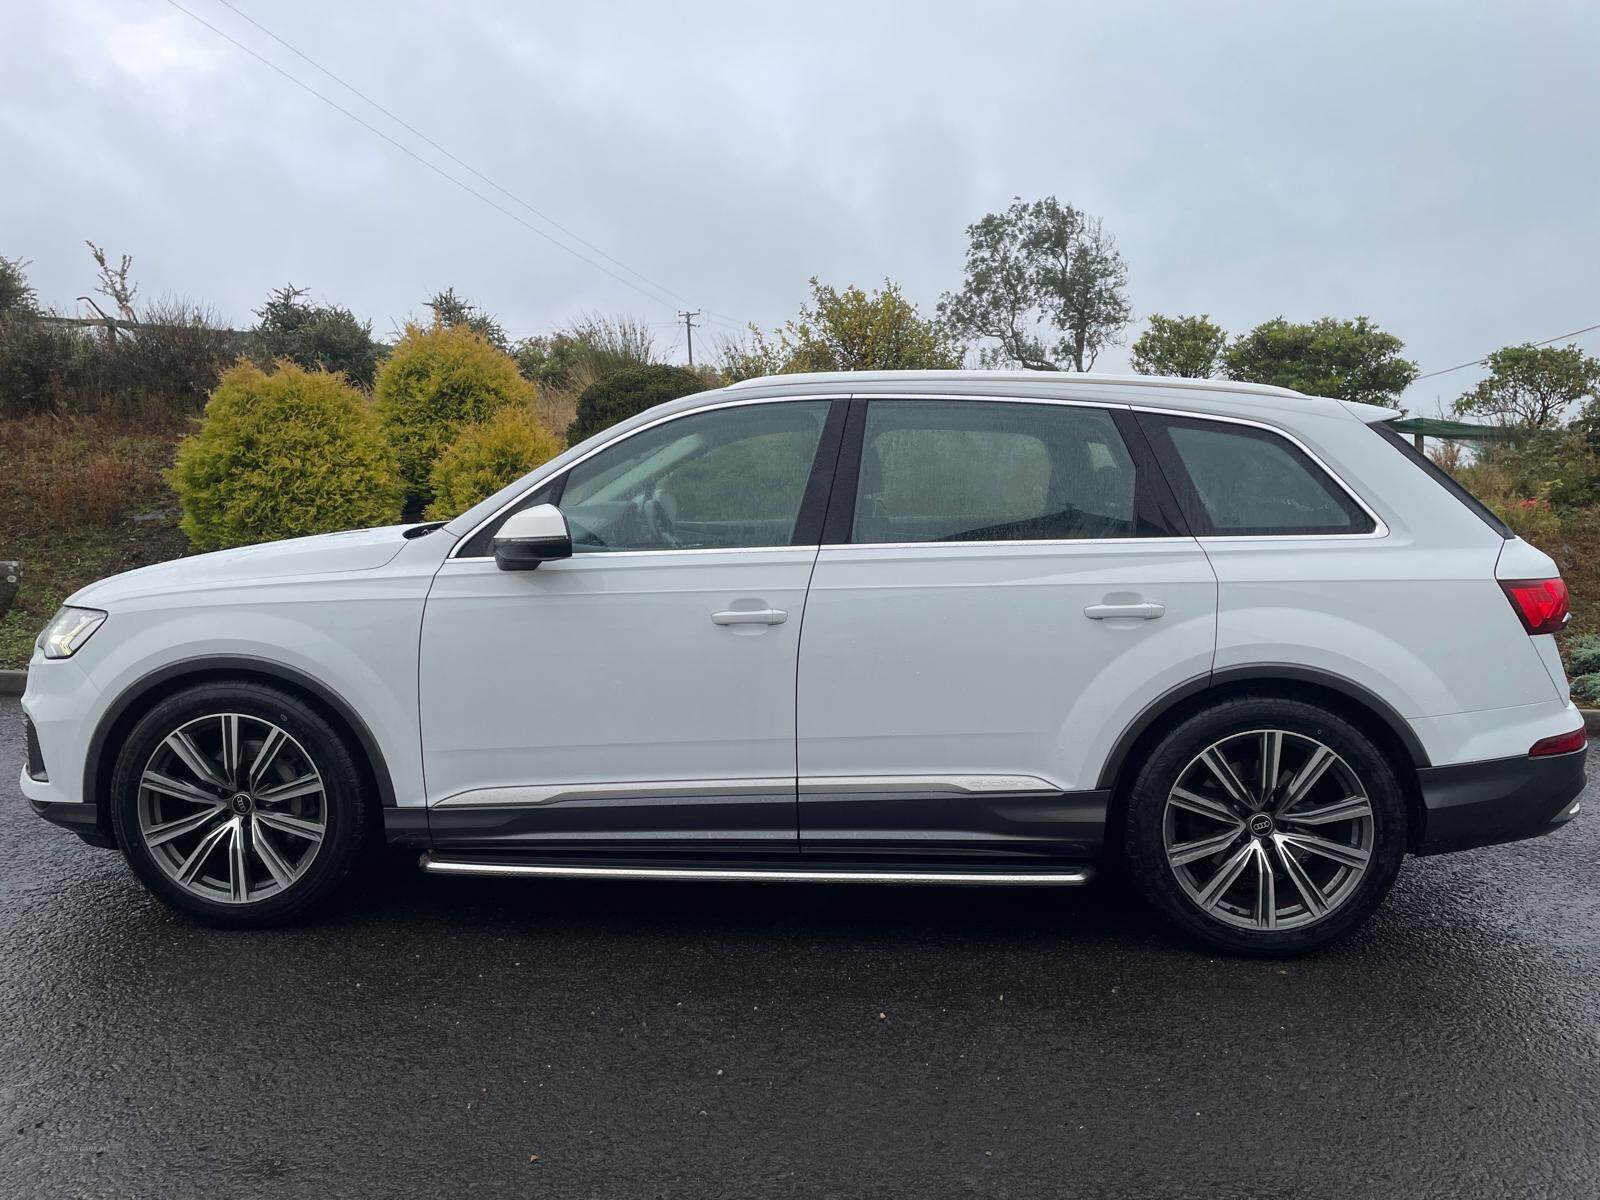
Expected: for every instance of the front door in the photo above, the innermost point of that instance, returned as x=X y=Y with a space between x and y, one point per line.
x=1004 y=586
x=639 y=695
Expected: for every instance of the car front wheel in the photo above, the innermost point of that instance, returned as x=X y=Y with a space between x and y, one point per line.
x=1266 y=826
x=238 y=804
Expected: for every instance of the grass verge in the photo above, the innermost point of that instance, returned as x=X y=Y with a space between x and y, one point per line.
x=81 y=498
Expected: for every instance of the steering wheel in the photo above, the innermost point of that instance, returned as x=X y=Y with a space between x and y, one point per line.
x=655 y=513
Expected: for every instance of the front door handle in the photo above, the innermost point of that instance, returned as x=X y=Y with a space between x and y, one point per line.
x=750 y=616
x=1139 y=612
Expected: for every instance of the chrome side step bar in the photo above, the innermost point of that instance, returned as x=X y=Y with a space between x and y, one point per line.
x=443 y=864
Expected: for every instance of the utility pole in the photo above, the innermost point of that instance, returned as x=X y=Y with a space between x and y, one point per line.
x=689 y=327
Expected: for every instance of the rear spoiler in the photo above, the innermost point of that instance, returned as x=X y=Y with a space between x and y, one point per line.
x=1372 y=414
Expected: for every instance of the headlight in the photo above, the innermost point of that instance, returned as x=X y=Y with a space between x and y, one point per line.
x=68 y=630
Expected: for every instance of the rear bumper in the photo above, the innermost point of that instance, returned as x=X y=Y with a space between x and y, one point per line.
x=1503 y=800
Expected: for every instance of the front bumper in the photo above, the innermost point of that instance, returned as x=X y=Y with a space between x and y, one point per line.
x=1503 y=800
x=60 y=706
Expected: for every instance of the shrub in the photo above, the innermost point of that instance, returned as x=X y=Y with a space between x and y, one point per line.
x=46 y=367
x=1531 y=516
x=171 y=361
x=282 y=455
x=437 y=382
x=485 y=458
x=1583 y=655
x=1586 y=690
x=622 y=394
x=317 y=336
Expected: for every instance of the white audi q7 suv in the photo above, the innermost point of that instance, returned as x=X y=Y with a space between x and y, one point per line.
x=957 y=628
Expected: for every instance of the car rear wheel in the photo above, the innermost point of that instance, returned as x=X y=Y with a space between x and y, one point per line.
x=238 y=804
x=1266 y=826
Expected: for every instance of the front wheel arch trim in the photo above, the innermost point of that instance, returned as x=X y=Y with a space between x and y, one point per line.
x=124 y=709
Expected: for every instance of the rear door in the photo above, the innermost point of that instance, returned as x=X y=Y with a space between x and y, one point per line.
x=1004 y=585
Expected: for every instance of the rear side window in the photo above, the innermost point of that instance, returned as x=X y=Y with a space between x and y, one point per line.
x=1443 y=478
x=972 y=470
x=1237 y=480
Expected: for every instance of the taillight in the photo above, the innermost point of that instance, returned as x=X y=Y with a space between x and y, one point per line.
x=1540 y=603
x=1562 y=743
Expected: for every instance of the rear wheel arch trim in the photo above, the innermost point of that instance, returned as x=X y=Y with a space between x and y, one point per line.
x=1267 y=673
x=97 y=770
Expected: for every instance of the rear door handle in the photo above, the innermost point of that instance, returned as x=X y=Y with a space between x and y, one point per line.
x=750 y=616
x=1139 y=612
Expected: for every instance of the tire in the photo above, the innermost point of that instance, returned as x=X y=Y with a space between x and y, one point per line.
x=1310 y=854
x=260 y=805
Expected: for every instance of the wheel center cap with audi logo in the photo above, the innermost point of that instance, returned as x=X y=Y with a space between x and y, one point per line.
x=1261 y=825
x=241 y=803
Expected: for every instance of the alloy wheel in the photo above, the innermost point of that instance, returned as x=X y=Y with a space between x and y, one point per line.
x=232 y=808
x=1268 y=830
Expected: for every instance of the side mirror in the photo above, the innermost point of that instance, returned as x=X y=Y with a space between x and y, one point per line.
x=532 y=536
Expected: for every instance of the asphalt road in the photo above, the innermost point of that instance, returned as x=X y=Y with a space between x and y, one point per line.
x=430 y=1037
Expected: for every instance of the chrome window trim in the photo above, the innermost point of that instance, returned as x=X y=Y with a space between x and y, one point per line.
x=1037 y=543
x=607 y=555
x=1380 y=527
x=743 y=402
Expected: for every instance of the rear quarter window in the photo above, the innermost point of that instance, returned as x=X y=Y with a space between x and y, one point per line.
x=1443 y=478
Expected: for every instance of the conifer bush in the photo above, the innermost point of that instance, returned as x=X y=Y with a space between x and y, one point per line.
x=486 y=457
x=437 y=382
x=282 y=455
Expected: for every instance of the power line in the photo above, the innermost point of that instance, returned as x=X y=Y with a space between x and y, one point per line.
x=1478 y=362
x=409 y=153
x=543 y=216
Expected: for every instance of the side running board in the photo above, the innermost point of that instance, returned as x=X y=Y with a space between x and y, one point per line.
x=448 y=864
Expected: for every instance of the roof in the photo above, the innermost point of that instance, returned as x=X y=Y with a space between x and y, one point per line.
x=1042 y=380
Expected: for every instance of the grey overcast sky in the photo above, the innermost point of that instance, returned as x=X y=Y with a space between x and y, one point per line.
x=1436 y=166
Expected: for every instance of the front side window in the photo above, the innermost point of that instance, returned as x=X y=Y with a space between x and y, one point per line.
x=724 y=479
x=1239 y=480
x=964 y=470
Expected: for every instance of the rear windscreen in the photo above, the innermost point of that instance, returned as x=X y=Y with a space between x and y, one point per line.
x=1403 y=444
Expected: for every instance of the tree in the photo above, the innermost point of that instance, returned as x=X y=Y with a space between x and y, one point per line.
x=845 y=330
x=852 y=331
x=747 y=357
x=17 y=297
x=1532 y=387
x=1348 y=360
x=452 y=312
x=1045 y=282
x=623 y=394
x=324 y=337
x=1188 y=347
x=114 y=283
